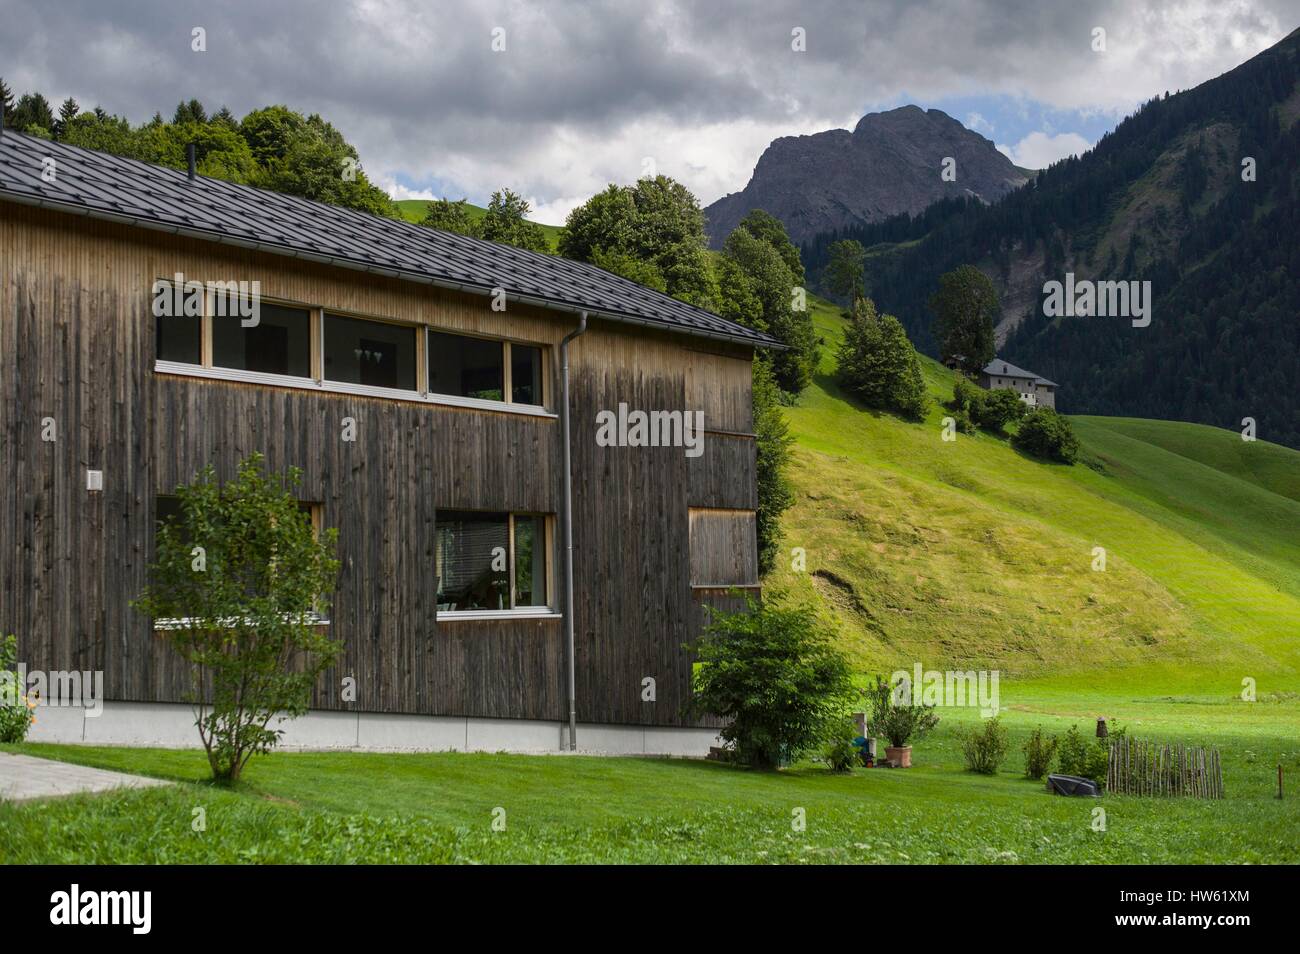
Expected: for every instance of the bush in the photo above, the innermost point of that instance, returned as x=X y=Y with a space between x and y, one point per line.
x=242 y=566
x=840 y=754
x=967 y=397
x=776 y=675
x=986 y=747
x=1039 y=752
x=1046 y=434
x=16 y=714
x=1000 y=408
x=1086 y=757
x=878 y=364
x=900 y=721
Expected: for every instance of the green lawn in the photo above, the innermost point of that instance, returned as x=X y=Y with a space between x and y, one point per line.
x=961 y=555
x=354 y=807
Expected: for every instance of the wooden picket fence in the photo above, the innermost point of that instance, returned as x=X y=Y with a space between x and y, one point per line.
x=1150 y=768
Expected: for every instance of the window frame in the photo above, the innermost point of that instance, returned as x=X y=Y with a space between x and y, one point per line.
x=318 y=382
x=549 y=610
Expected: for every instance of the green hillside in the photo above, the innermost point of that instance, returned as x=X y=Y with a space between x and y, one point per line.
x=969 y=554
x=413 y=211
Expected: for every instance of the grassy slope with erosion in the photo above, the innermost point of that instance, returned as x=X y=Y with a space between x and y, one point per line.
x=413 y=211
x=970 y=554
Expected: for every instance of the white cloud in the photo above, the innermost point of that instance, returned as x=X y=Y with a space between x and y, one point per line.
x=977 y=122
x=584 y=91
x=1038 y=150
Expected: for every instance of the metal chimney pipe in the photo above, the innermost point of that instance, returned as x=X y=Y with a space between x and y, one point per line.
x=194 y=167
x=2 y=118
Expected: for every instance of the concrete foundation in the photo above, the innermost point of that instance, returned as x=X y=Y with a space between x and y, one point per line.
x=168 y=725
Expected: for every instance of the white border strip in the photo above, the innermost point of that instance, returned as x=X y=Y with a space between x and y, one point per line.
x=338 y=387
x=536 y=612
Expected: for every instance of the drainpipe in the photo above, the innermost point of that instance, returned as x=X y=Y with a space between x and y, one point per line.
x=566 y=518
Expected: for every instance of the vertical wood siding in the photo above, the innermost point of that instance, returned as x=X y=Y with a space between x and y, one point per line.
x=76 y=345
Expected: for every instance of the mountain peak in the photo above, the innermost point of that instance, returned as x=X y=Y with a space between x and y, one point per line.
x=892 y=162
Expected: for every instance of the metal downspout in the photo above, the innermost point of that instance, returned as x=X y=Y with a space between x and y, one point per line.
x=566 y=518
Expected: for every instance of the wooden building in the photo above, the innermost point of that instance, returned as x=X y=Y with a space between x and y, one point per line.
x=414 y=377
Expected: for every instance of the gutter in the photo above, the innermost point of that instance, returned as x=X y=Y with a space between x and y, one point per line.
x=206 y=235
x=566 y=518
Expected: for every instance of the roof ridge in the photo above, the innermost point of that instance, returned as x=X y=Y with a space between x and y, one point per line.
x=153 y=195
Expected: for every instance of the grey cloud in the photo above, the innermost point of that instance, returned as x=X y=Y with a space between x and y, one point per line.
x=418 y=89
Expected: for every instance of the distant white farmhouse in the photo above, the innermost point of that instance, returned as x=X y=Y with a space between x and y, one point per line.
x=1033 y=390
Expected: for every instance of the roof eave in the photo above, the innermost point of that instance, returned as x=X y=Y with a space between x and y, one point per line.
x=403 y=274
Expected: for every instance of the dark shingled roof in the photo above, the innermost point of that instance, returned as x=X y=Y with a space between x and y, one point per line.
x=1004 y=369
x=158 y=197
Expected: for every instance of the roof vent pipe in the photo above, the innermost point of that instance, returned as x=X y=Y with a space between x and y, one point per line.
x=194 y=167
x=2 y=118
x=566 y=519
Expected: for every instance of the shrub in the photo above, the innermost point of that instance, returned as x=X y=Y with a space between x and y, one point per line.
x=1086 y=757
x=998 y=409
x=776 y=675
x=878 y=364
x=244 y=570
x=1046 y=434
x=1039 y=752
x=966 y=395
x=16 y=714
x=772 y=443
x=986 y=747
x=898 y=720
x=840 y=754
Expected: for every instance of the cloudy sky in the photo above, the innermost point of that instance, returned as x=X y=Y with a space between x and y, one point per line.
x=555 y=99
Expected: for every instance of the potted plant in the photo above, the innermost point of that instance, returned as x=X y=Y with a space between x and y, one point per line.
x=896 y=718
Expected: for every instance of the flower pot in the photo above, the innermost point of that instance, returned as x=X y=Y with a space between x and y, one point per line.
x=900 y=755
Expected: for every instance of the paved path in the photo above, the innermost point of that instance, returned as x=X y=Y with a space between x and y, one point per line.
x=22 y=776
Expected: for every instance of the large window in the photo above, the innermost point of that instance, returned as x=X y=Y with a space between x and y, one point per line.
x=305 y=347
x=280 y=342
x=372 y=353
x=466 y=367
x=491 y=561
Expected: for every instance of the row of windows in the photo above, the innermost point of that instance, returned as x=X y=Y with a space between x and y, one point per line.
x=483 y=560
x=357 y=351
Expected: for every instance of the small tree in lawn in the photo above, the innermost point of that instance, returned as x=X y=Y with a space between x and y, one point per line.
x=877 y=363
x=1046 y=434
x=775 y=674
x=1000 y=408
x=242 y=573
x=966 y=309
x=843 y=274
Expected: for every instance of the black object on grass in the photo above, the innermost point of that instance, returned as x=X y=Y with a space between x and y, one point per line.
x=1072 y=785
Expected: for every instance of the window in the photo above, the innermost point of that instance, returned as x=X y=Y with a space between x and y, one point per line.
x=530 y=561
x=525 y=374
x=280 y=343
x=491 y=561
x=372 y=353
x=466 y=367
x=179 y=339
x=305 y=347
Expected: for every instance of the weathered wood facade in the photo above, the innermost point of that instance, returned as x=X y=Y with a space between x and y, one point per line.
x=657 y=534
